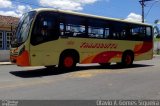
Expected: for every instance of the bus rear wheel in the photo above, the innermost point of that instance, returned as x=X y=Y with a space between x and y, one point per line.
x=127 y=59
x=67 y=62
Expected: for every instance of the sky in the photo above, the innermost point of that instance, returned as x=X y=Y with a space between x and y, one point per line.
x=122 y=9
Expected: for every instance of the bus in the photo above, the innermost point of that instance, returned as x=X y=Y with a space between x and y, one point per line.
x=49 y=37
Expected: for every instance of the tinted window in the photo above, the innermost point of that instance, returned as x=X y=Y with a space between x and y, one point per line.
x=148 y=33
x=138 y=32
x=45 y=28
x=95 y=32
x=97 y=28
x=119 y=31
x=72 y=26
x=78 y=26
x=106 y=33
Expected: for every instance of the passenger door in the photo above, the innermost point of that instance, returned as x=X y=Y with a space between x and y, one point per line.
x=45 y=31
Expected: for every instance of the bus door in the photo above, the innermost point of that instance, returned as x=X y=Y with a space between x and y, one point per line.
x=43 y=35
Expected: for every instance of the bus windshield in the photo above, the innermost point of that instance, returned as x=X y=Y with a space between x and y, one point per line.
x=24 y=27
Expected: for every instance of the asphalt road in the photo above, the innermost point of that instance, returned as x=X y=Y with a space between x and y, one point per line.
x=87 y=82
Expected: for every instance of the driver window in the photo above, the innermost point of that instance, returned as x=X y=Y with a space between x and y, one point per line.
x=45 y=28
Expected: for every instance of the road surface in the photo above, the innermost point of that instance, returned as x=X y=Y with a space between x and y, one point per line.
x=87 y=82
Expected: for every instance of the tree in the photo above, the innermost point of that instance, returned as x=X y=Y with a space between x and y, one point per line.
x=157 y=21
x=156 y=28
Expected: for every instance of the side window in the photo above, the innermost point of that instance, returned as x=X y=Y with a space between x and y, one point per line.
x=72 y=26
x=107 y=33
x=119 y=31
x=94 y=32
x=62 y=30
x=148 y=33
x=1 y=40
x=45 y=28
x=138 y=33
x=97 y=28
x=77 y=26
x=75 y=30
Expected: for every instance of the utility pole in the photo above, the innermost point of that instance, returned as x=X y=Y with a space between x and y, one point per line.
x=142 y=2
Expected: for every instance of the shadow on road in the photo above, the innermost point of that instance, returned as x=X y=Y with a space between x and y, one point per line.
x=55 y=71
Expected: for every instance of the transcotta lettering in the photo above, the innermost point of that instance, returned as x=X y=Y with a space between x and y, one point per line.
x=99 y=45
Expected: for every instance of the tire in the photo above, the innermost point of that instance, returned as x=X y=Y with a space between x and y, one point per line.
x=127 y=59
x=67 y=61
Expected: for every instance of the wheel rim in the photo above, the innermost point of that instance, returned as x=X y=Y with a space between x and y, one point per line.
x=68 y=62
x=128 y=60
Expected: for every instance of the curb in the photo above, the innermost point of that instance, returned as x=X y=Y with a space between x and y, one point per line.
x=5 y=63
x=156 y=55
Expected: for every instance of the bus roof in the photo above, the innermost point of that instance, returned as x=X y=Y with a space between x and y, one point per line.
x=89 y=15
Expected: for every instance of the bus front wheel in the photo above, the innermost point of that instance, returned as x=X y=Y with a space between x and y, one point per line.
x=67 y=62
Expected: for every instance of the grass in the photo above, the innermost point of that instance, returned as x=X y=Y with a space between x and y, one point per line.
x=156 y=39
